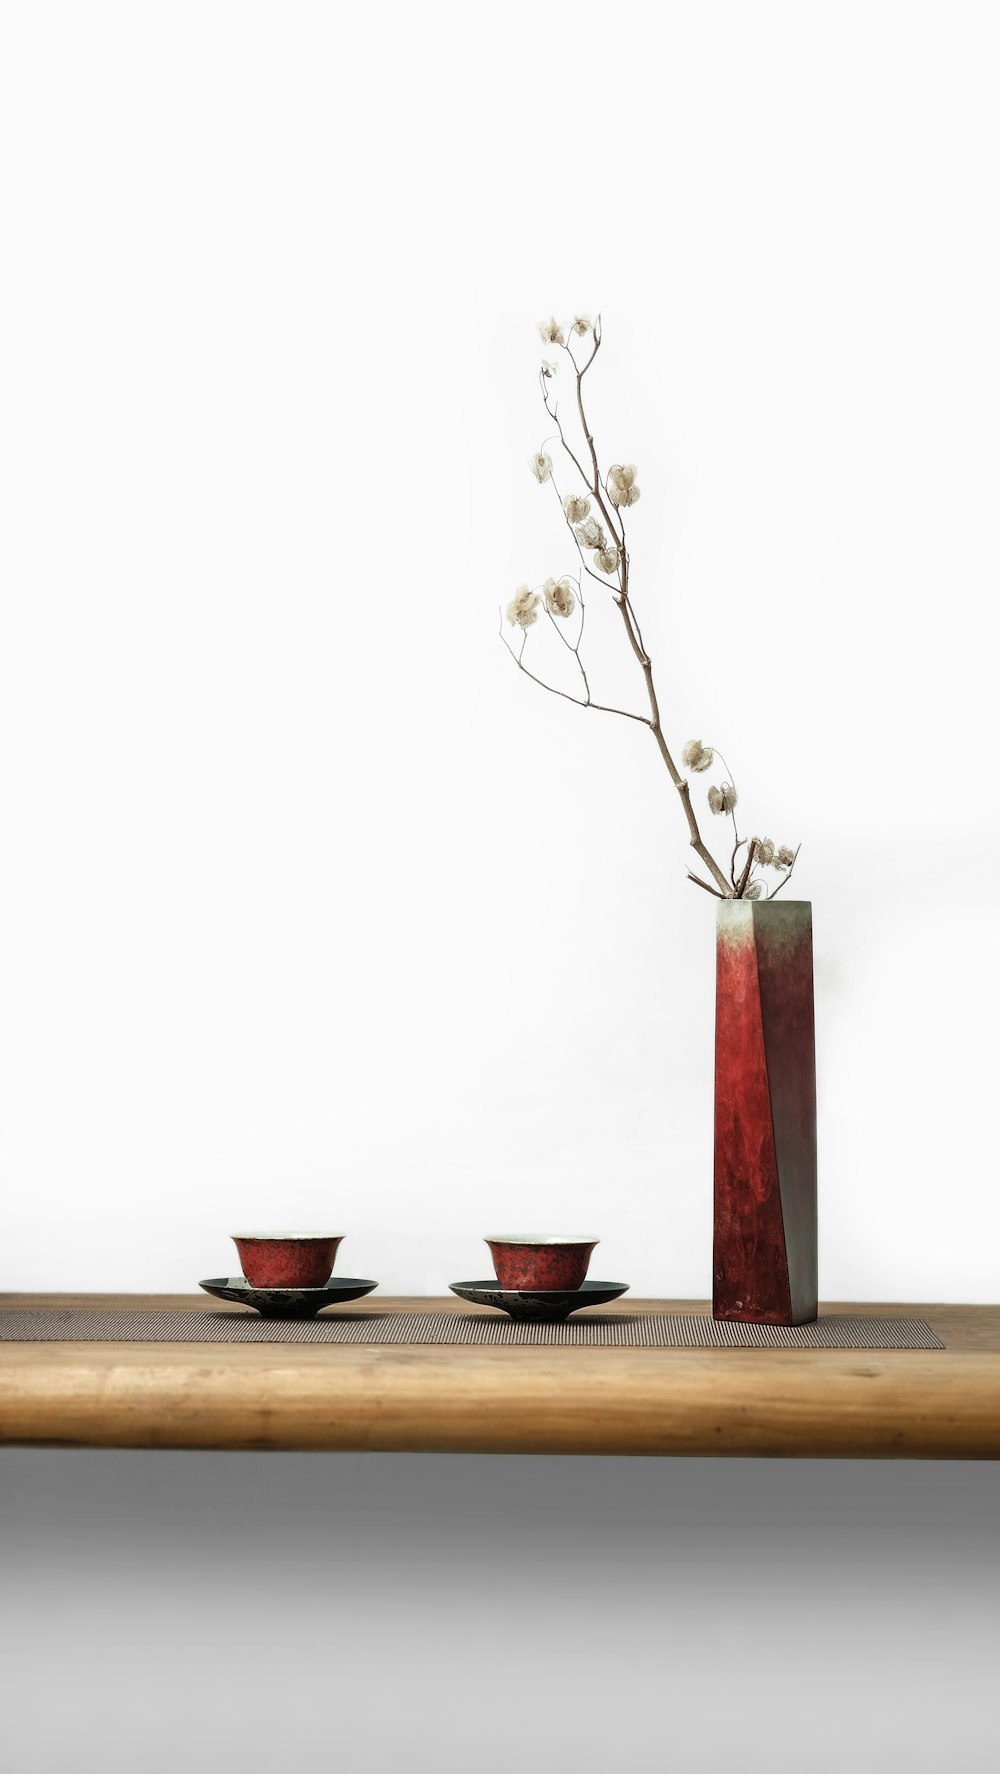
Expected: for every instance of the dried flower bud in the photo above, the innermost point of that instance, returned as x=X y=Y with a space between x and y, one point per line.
x=697 y=756
x=522 y=610
x=590 y=534
x=784 y=857
x=722 y=800
x=622 y=489
x=581 y=323
x=753 y=891
x=559 y=597
x=541 y=465
x=765 y=851
x=607 y=558
x=576 y=508
x=552 y=332
x=549 y=369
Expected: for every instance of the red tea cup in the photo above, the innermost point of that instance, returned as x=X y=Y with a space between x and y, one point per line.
x=287 y=1259
x=544 y=1264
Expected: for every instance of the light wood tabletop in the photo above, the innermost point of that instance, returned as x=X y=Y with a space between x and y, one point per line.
x=904 y=1404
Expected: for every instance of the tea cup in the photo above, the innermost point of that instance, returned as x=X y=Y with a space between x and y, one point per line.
x=287 y=1259
x=541 y=1262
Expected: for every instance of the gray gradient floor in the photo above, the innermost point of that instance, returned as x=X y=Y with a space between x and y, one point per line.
x=167 y=1611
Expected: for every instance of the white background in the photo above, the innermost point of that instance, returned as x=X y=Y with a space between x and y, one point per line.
x=314 y=912
x=311 y=909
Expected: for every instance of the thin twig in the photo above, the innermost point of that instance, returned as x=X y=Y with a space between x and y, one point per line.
x=602 y=707
x=553 y=413
x=700 y=883
x=572 y=647
x=596 y=483
x=680 y=783
x=787 y=877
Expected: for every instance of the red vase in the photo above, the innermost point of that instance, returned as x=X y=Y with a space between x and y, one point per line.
x=765 y=1114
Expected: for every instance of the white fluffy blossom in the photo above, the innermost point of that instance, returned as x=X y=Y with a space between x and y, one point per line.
x=784 y=857
x=559 y=597
x=754 y=890
x=523 y=608
x=549 y=369
x=576 y=508
x=722 y=800
x=541 y=465
x=590 y=534
x=622 y=489
x=581 y=323
x=607 y=558
x=697 y=756
x=552 y=332
x=765 y=851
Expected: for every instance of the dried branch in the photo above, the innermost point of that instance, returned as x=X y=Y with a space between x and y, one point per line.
x=612 y=511
x=741 y=885
x=694 y=834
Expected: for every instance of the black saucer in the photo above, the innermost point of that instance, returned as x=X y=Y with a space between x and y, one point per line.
x=289 y=1302
x=543 y=1303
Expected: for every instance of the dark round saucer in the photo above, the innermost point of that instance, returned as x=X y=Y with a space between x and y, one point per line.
x=543 y=1303
x=289 y=1302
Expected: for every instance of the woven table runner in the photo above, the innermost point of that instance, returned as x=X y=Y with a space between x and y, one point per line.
x=653 y=1330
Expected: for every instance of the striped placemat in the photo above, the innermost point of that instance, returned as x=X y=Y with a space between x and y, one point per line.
x=654 y=1330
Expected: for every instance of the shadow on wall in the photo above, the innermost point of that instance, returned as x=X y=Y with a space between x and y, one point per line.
x=400 y=1607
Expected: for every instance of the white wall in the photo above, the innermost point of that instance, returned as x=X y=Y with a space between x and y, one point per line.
x=312 y=910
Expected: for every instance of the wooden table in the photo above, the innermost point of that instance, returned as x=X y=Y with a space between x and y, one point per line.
x=466 y=1399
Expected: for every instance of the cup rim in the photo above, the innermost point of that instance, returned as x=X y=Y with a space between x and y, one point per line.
x=539 y=1242
x=285 y=1237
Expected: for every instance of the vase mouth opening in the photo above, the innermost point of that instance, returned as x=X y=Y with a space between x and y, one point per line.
x=756 y=904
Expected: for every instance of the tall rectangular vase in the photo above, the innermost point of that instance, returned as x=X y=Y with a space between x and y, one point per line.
x=765 y=1269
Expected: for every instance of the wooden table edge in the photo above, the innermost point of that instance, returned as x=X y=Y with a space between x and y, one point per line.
x=910 y=1404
